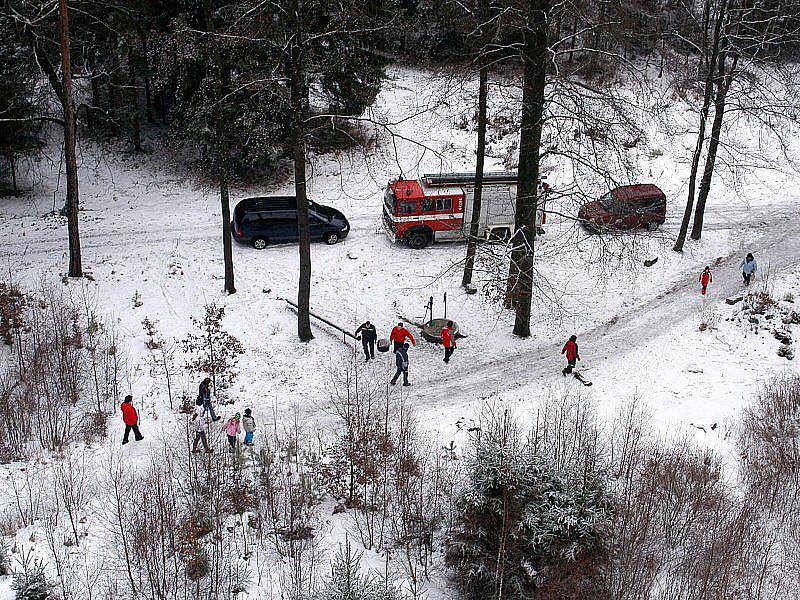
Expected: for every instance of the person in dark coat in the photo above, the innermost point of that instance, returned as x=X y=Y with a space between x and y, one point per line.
x=205 y=397
x=131 y=419
x=448 y=341
x=401 y=360
x=369 y=336
x=571 y=350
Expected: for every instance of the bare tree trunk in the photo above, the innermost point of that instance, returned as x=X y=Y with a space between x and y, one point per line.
x=136 y=130
x=521 y=270
x=701 y=134
x=298 y=96
x=148 y=96
x=723 y=85
x=227 y=245
x=92 y=113
x=221 y=145
x=13 y=163
x=70 y=157
x=472 y=241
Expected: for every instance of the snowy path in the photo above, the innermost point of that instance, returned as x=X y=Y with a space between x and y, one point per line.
x=778 y=246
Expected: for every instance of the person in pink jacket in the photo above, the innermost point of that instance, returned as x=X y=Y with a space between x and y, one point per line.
x=232 y=428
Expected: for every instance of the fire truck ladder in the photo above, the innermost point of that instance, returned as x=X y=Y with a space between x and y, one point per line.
x=444 y=179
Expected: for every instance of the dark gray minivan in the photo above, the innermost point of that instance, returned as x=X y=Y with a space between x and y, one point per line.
x=273 y=220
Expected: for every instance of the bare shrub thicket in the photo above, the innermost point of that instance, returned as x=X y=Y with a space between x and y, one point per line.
x=63 y=378
x=680 y=526
x=768 y=440
x=170 y=529
x=286 y=514
x=396 y=482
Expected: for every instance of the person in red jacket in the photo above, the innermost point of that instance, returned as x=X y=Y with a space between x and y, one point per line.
x=705 y=279
x=399 y=335
x=571 y=350
x=448 y=341
x=131 y=419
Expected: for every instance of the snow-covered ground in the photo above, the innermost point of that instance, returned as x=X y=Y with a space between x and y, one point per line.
x=149 y=231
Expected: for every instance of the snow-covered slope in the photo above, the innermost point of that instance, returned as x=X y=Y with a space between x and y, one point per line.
x=148 y=231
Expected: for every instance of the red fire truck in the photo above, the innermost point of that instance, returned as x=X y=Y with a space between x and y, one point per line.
x=439 y=207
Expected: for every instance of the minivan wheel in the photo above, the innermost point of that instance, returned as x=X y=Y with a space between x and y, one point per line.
x=259 y=243
x=500 y=234
x=652 y=225
x=417 y=240
x=331 y=238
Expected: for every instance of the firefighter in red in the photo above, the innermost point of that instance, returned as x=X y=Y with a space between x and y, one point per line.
x=131 y=419
x=399 y=335
x=705 y=279
x=448 y=341
x=571 y=350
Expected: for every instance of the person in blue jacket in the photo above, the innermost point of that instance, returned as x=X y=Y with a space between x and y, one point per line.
x=748 y=267
x=401 y=360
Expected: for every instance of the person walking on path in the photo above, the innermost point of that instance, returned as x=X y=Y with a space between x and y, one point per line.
x=369 y=336
x=748 y=267
x=449 y=341
x=399 y=336
x=705 y=279
x=401 y=360
x=232 y=429
x=200 y=422
x=249 y=424
x=131 y=419
x=205 y=398
x=571 y=350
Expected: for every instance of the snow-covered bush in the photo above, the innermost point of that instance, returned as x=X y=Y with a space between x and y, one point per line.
x=346 y=582
x=30 y=582
x=519 y=520
x=786 y=351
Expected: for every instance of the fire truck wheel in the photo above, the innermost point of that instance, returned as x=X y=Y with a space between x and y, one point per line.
x=259 y=243
x=417 y=240
x=331 y=238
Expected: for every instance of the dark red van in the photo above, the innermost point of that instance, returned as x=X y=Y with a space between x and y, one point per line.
x=626 y=207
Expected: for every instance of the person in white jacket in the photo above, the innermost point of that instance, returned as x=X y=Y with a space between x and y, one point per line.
x=200 y=422
x=748 y=267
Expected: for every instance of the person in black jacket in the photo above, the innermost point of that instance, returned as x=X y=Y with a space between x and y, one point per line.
x=204 y=395
x=368 y=337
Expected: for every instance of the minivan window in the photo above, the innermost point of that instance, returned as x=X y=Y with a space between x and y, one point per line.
x=606 y=201
x=282 y=216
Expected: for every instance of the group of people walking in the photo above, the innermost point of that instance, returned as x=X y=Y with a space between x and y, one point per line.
x=747 y=267
x=401 y=340
x=200 y=421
